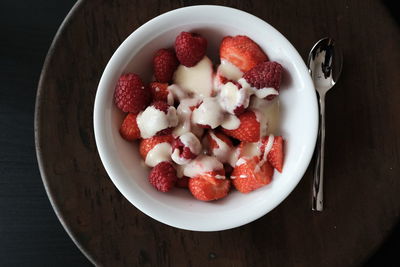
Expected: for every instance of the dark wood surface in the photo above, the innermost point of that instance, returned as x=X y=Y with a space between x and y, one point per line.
x=362 y=148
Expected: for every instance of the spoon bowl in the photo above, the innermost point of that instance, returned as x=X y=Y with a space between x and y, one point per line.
x=325 y=64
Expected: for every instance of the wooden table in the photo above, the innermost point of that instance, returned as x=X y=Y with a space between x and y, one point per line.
x=362 y=149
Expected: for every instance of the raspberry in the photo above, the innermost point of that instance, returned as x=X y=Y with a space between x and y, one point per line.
x=190 y=48
x=164 y=65
x=266 y=74
x=130 y=94
x=161 y=105
x=159 y=91
x=184 y=151
x=163 y=176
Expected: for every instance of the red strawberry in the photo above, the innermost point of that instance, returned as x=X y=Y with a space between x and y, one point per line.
x=207 y=187
x=130 y=94
x=250 y=176
x=219 y=146
x=242 y=52
x=129 y=129
x=212 y=143
x=163 y=176
x=265 y=74
x=183 y=182
x=164 y=65
x=159 y=91
x=147 y=144
x=249 y=128
x=190 y=48
x=275 y=155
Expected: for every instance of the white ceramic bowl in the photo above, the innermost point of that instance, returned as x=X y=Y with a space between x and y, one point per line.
x=122 y=160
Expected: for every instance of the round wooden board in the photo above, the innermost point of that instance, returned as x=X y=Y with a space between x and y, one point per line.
x=362 y=150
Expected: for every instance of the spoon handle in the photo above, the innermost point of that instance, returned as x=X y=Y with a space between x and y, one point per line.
x=318 y=197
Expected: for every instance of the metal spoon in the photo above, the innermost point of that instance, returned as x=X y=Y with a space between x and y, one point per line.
x=325 y=65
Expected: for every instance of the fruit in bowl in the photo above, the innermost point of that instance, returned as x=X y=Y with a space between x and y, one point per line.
x=125 y=160
x=188 y=118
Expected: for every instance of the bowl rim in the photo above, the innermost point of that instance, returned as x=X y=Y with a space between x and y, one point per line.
x=100 y=138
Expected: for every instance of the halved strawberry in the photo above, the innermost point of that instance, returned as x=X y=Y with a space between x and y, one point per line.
x=248 y=130
x=213 y=144
x=159 y=91
x=219 y=146
x=241 y=51
x=275 y=155
x=207 y=187
x=249 y=175
x=147 y=144
x=129 y=129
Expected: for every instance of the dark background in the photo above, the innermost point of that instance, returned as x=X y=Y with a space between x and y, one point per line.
x=30 y=233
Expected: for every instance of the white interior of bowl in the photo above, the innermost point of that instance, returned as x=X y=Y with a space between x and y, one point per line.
x=178 y=208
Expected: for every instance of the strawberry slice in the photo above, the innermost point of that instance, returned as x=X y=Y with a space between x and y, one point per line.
x=241 y=51
x=149 y=143
x=129 y=129
x=213 y=143
x=275 y=155
x=248 y=130
x=249 y=175
x=207 y=187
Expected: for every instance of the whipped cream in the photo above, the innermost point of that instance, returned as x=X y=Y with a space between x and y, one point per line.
x=159 y=153
x=176 y=92
x=260 y=93
x=208 y=113
x=229 y=70
x=267 y=148
x=232 y=97
x=201 y=165
x=230 y=122
x=198 y=79
x=267 y=113
x=250 y=150
x=184 y=113
x=152 y=120
x=190 y=141
x=223 y=151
